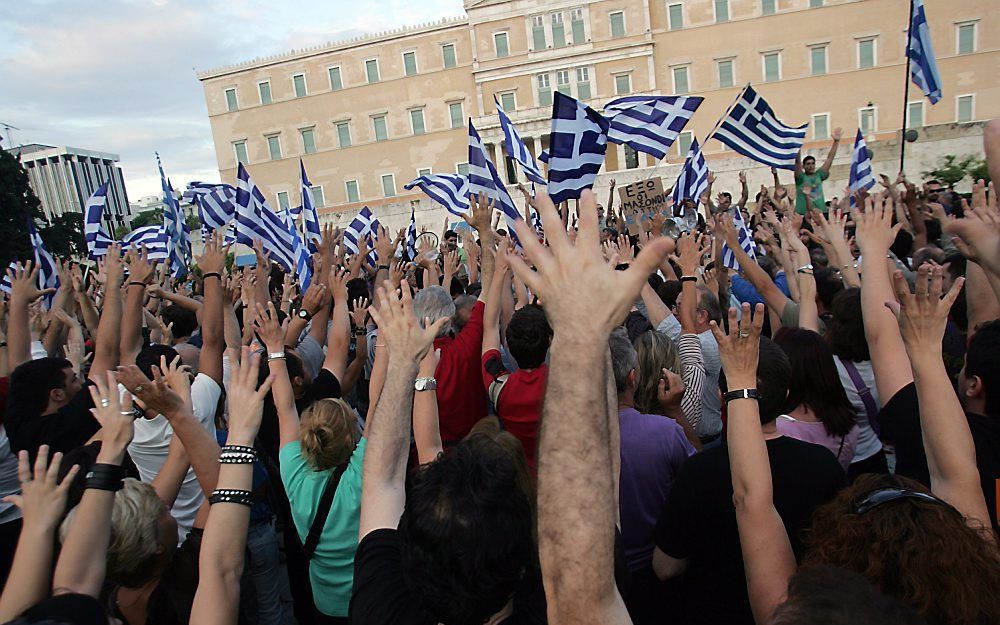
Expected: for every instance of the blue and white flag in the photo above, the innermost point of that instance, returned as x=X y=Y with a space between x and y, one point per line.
x=448 y=190
x=752 y=129
x=861 y=168
x=5 y=284
x=256 y=221
x=649 y=123
x=515 y=146
x=313 y=233
x=577 y=145
x=173 y=222
x=411 y=237
x=303 y=266
x=693 y=179
x=98 y=241
x=364 y=225
x=155 y=239
x=484 y=180
x=48 y=277
x=216 y=203
x=544 y=157
x=923 y=65
x=745 y=241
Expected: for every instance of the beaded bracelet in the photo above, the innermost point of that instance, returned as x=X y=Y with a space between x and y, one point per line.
x=107 y=477
x=237 y=454
x=229 y=495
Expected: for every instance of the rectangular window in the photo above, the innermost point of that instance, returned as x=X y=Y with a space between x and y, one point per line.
x=623 y=84
x=772 y=66
x=814 y=4
x=388 y=185
x=617 y=20
x=500 y=44
x=282 y=200
x=866 y=119
x=264 y=89
x=768 y=7
x=371 y=71
x=964 y=106
x=462 y=169
x=866 y=53
x=381 y=130
x=417 y=121
x=915 y=115
x=318 y=199
x=675 y=13
x=231 y=102
x=448 y=54
x=726 y=77
x=537 y=32
x=308 y=140
x=817 y=60
x=558 y=30
x=456 y=114
x=336 y=83
x=299 y=83
x=274 y=147
x=240 y=147
x=562 y=82
x=966 y=38
x=721 y=10
x=344 y=134
x=544 y=90
x=353 y=194
x=684 y=141
x=821 y=126
x=681 y=84
x=410 y=63
x=583 y=83
x=424 y=171
x=510 y=169
x=579 y=27
x=508 y=102
x=631 y=158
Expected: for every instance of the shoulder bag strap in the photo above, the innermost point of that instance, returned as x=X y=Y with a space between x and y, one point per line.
x=871 y=408
x=323 y=511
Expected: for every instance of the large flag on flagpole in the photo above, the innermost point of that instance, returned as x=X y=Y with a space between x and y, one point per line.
x=313 y=233
x=98 y=241
x=578 y=142
x=256 y=221
x=173 y=223
x=861 y=168
x=920 y=53
x=484 y=180
x=515 y=146
x=752 y=129
x=693 y=179
x=649 y=123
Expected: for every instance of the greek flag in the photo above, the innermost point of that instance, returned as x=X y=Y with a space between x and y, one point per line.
x=362 y=227
x=256 y=221
x=48 y=277
x=411 y=237
x=98 y=240
x=303 y=269
x=861 y=168
x=484 y=179
x=155 y=239
x=515 y=146
x=745 y=241
x=649 y=123
x=923 y=65
x=216 y=203
x=313 y=232
x=693 y=179
x=5 y=285
x=577 y=144
x=448 y=190
x=544 y=156
x=752 y=129
x=173 y=222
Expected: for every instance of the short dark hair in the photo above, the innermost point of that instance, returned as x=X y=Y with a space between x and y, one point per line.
x=185 y=321
x=150 y=355
x=668 y=292
x=30 y=385
x=727 y=195
x=528 y=336
x=828 y=284
x=846 y=329
x=357 y=287
x=448 y=234
x=463 y=555
x=981 y=360
x=809 y=158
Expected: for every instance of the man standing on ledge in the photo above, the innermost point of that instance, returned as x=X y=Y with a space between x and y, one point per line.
x=809 y=180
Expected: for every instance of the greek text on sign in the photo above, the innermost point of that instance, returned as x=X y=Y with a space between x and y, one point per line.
x=641 y=200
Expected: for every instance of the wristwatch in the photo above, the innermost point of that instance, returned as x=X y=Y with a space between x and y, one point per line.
x=425 y=384
x=743 y=393
x=303 y=314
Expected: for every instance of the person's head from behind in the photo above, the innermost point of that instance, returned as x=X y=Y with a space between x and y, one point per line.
x=463 y=310
x=143 y=535
x=774 y=375
x=909 y=545
x=706 y=309
x=42 y=386
x=846 y=326
x=434 y=303
x=328 y=431
x=655 y=352
x=466 y=530
x=979 y=380
x=624 y=363
x=528 y=336
x=815 y=383
x=828 y=285
x=184 y=321
x=809 y=165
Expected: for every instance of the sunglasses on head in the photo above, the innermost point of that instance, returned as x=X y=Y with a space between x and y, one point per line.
x=881 y=496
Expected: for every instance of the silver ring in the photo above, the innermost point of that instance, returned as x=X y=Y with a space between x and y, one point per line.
x=744 y=335
x=126 y=413
x=138 y=389
x=105 y=403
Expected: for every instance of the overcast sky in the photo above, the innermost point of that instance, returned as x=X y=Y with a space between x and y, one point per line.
x=119 y=75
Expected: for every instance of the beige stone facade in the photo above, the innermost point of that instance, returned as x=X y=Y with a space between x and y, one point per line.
x=368 y=115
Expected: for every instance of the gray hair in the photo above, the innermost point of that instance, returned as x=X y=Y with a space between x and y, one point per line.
x=624 y=358
x=434 y=303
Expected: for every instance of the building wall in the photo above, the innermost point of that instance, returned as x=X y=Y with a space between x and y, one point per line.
x=647 y=51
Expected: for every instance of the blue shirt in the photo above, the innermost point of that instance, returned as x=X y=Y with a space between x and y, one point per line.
x=747 y=293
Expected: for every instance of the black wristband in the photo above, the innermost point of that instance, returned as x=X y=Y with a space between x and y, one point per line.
x=137 y=283
x=210 y=274
x=743 y=393
x=621 y=266
x=688 y=279
x=105 y=477
x=381 y=267
x=228 y=495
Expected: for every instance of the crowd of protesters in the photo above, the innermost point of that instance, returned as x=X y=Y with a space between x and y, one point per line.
x=574 y=425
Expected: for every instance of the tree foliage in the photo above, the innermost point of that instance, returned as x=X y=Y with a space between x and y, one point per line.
x=17 y=204
x=952 y=169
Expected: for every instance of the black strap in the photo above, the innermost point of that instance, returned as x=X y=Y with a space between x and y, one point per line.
x=323 y=511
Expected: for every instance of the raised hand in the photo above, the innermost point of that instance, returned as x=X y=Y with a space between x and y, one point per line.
x=360 y=313
x=922 y=316
x=384 y=246
x=269 y=329
x=43 y=497
x=875 y=232
x=24 y=283
x=139 y=267
x=624 y=249
x=978 y=232
x=315 y=297
x=670 y=388
x=338 y=285
x=213 y=257
x=743 y=177
x=246 y=400
x=178 y=377
x=113 y=410
x=406 y=340
x=479 y=214
x=114 y=269
x=689 y=256
x=154 y=395
x=739 y=348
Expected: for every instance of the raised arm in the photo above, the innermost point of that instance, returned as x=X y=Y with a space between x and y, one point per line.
x=426 y=427
x=24 y=290
x=339 y=336
x=744 y=190
x=272 y=334
x=478 y=217
x=773 y=297
x=140 y=274
x=491 y=313
x=832 y=154
x=107 y=342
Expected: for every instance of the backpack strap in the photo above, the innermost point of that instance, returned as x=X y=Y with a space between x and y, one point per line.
x=871 y=408
x=323 y=511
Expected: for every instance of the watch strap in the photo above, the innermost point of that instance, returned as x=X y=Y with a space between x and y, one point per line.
x=742 y=393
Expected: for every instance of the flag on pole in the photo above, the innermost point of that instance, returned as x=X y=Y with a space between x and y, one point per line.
x=303 y=268
x=745 y=241
x=693 y=179
x=173 y=223
x=313 y=233
x=448 y=190
x=861 y=168
x=515 y=146
x=362 y=227
x=484 y=180
x=923 y=65
x=155 y=239
x=98 y=240
x=648 y=123
x=411 y=237
x=256 y=221
x=216 y=203
x=577 y=145
x=5 y=284
x=752 y=129
x=48 y=277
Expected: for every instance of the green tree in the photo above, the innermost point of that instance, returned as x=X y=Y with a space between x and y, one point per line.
x=952 y=169
x=64 y=235
x=17 y=204
x=148 y=218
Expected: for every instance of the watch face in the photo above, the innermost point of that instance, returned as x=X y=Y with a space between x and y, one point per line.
x=303 y=313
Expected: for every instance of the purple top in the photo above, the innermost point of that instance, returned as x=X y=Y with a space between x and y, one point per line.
x=653 y=448
x=814 y=432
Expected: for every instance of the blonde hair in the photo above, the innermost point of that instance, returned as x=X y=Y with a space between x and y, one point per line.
x=656 y=351
x=328 y=432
